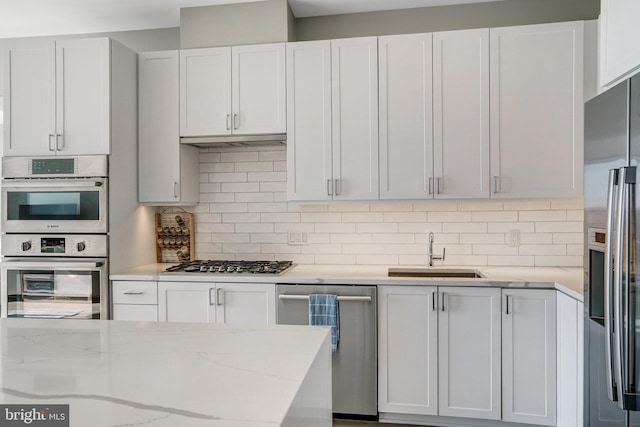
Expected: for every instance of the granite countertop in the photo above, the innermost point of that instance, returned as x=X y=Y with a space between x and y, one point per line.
x=158 y=374
x=569 y=280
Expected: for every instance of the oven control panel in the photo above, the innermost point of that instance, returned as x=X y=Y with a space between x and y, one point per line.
x=75 y=245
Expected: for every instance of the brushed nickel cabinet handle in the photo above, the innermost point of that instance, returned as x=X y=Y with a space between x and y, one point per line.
x=495 y=185
x=228 y=121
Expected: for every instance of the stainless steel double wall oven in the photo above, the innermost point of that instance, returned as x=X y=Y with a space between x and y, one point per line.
x=54 y=237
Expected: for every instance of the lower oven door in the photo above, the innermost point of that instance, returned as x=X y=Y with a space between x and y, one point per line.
x=54 y=288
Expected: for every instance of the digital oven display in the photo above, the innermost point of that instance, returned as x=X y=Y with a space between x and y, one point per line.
x=49 y=245
x=52 y=166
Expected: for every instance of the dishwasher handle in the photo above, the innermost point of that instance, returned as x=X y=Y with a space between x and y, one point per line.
x=364 y=298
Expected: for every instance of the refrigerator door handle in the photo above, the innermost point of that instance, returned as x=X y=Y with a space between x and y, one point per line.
x=609 y=282
x=621 y=221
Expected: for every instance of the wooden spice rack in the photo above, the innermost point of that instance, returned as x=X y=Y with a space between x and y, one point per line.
x=175 y=237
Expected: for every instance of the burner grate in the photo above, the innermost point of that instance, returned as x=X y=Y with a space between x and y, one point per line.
x=232 y=267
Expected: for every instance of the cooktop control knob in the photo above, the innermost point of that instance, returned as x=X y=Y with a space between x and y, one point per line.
x=81 y=246
x=26 y=246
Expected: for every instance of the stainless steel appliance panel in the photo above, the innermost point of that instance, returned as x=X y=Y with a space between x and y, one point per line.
x=55 y=288
x=55 y=245
x=354 y=368
x=54 y=167
x=54 y=205
x=612 y=302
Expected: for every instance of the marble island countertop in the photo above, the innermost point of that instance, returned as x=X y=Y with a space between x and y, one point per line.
x=569 y=280
x=168 y=374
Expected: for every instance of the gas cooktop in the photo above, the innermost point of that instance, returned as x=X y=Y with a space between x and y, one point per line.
x=232 y=267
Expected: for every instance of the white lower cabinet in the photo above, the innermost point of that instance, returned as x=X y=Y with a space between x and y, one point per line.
x=529 y=356
x=408 y=350
x=479 y=356
x=134 y=300
x=469 y=352
x=238 y=303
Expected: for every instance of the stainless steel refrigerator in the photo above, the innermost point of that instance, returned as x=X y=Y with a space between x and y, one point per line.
x=612 y=302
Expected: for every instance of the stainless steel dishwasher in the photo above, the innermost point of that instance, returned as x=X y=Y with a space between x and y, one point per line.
x=355 y=363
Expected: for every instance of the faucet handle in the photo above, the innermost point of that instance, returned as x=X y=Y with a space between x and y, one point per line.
x=444 y=250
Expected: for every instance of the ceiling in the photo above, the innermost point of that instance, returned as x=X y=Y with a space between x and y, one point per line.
x=27 y=18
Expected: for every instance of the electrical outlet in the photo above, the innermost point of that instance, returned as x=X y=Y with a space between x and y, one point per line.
x=514 y=238
x=298 y=238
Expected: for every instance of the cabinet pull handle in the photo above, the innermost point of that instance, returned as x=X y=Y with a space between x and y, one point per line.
x=236 y=121
x=495 y=184
x=337 y=187
x=51 y=148
x=228 y=121
x=507 y=310
x=433 y=301
x=430 y=185
x=328 y=187
x=438 y=185
x=212 y=296
x=443 y=294
x=219 y=296
x=175 y=189
x=133 y=292
x=59 y=146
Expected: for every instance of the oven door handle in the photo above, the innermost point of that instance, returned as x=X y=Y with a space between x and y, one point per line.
x=55 y=265
x=363 y=298
x=69 y=184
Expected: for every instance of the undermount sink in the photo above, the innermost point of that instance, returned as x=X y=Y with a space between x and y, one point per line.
x=435 y=272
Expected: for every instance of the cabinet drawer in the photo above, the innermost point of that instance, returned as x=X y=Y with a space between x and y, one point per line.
x=137 y=312
x=131 y=292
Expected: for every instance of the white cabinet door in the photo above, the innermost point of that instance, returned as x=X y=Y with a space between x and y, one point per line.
x=205 y=91
x=57 y=98
x=186 y=302
x=258 y=89
x=469 y=347
x=537 y=110
x=354 y=65
x=461 y=114
x=166 y=168
x=309 y=175
x=529 y=356
x=246 y=303
x=619 y=35
x=135 y=312
x=407 y=350
x=29 y=100
x=406 y=137
x=83 y=87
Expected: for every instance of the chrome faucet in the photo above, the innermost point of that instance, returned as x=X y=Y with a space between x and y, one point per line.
x=431 y=257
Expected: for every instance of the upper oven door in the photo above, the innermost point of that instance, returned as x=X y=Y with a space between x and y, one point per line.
x=76 y=205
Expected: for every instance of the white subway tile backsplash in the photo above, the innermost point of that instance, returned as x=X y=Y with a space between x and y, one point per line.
x=240 y=187
x=533 y=216
x=445 y=217
x=244 y=214
x=234 y=157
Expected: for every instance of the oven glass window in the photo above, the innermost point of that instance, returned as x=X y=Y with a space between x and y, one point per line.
x=49 y=205
x=53 y=293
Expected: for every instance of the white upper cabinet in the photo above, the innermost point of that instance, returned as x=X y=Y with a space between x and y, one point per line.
x=332 y=126
x=258 y=89
x=619 y=34
x=406 y=120
x=236 y=90
x=167 y=170
x=537 y=110
x=57 y=98
x=461 y=114
x=309 y=174
x=434 y=128
x=205 y=91
x=354 y=101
